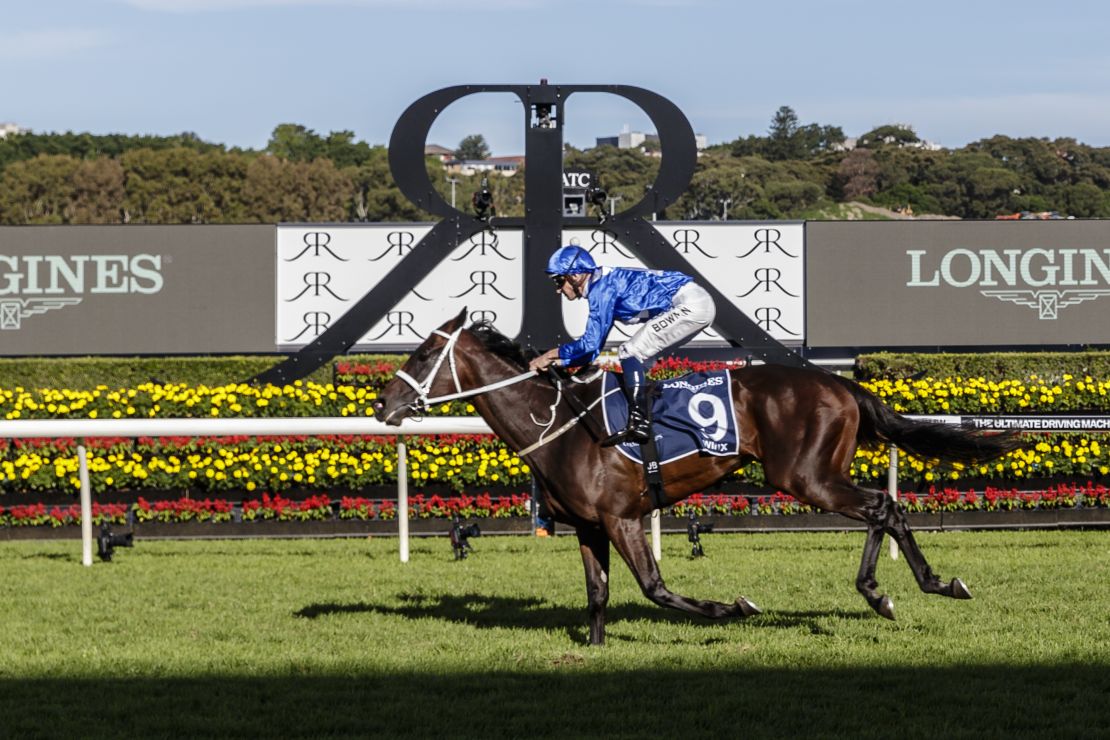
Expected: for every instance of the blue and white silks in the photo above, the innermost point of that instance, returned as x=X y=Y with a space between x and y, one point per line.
x=627 y=294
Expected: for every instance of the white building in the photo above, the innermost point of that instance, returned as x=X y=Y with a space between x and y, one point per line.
x=11 y=128
x=627 y=139
x=504 y=166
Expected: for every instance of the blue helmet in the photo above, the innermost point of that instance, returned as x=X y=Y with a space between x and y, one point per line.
x=570 y=261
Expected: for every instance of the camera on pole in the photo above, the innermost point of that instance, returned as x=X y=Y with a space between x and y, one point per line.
x=107 y=541
x=483 y=202
x=460 y=537
x=694 y=530
x=577 y=185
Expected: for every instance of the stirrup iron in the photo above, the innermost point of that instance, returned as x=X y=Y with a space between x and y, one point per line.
x=637 y=429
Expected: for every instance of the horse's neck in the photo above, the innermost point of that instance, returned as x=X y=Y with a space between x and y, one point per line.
x=520 y=413
x=506 y=410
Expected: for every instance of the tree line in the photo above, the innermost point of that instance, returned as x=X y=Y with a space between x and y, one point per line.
x=794 y=171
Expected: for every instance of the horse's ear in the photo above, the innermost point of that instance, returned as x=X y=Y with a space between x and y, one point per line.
x=461 y=318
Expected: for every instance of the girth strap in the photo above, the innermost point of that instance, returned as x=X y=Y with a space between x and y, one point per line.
x=653 y=471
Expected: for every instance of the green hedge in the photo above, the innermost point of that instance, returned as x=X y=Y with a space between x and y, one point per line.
x=86 y=373
x=1049 y=366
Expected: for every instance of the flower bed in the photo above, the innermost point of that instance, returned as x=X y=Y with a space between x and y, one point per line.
x=217 y=465
x=1062 y=496
x=40 y=515
x=981 y=396
x=213 y=465
x=175 y=400
x=274 y=464
x=487 y=506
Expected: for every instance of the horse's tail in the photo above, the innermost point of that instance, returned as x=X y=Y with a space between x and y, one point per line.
x=924 y=439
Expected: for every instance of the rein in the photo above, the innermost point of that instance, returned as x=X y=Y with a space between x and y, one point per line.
x=423 y=387
x=582 y=411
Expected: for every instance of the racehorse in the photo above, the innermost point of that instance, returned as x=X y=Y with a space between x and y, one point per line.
x=803 y=425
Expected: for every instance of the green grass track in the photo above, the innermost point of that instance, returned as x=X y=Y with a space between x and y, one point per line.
x=336 y=638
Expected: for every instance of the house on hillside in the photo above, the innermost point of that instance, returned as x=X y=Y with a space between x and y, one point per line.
x=648 y=143
x=442 y=153
x=9 y=129
x=504 y=166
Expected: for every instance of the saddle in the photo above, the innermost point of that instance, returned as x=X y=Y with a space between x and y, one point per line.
x=688 y=415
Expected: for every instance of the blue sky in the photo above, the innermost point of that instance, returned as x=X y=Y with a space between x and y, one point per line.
x=231 y=70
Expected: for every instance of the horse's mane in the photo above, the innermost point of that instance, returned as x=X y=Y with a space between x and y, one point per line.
x=499 y=344
x=502 y=346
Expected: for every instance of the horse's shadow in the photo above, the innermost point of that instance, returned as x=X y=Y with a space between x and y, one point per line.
x=487 y=612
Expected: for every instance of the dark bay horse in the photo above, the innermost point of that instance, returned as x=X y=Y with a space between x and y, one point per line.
x=803 y=425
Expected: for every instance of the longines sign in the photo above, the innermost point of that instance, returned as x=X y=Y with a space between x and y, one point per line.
x=70 y=290
x=958 y=283
x=1030 y=278
x=32 y=284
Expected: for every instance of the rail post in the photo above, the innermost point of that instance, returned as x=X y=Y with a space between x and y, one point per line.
x=656 y=536
x=892 y=489
x=86 y=507
x=403 y=499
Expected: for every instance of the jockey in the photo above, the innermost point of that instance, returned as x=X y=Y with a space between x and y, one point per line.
x=669 y=305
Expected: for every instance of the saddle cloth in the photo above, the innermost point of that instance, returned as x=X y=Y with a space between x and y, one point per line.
x=693 y=414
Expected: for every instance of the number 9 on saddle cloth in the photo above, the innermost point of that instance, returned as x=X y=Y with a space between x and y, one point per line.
x=693 y=414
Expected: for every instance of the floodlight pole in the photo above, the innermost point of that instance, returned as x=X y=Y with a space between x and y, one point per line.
x=454 y=181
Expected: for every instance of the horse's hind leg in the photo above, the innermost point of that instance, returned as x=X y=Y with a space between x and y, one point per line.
x=627 y=535
x=899 y=529
x=865 y=580
x=594 y=546
x=881 y=514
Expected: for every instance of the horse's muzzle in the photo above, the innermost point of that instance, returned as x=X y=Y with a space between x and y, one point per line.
x=391 y=416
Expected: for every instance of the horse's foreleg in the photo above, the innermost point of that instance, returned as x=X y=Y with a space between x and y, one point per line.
x=627 y=535
x=594 y=546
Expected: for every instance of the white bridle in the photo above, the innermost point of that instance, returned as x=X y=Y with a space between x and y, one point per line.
x=424 y=387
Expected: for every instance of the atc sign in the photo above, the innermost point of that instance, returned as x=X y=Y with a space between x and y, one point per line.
x=548 y=210
x=577 y=180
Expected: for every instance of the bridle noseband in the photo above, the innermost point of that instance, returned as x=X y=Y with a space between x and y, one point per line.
x=423 y=388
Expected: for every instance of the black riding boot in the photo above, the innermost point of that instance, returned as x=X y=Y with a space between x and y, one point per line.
x=638 y=428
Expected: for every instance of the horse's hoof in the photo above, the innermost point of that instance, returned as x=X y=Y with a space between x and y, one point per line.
x=747 y=608
x=959 y=590
x=885 y=607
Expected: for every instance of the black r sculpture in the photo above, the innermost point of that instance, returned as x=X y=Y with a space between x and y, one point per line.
x=543 y=222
